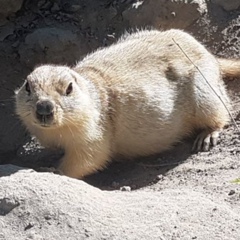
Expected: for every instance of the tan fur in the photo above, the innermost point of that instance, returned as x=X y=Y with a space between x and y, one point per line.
x=229 y=67
x=135 y=98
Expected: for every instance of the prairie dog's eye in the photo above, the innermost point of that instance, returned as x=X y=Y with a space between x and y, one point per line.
x=69 y=89
x=27 y=88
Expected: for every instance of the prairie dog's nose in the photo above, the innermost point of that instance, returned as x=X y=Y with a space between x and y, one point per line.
x=44 y=107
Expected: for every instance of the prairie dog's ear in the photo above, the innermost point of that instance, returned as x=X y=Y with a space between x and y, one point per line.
x=81 y=81
x=74 y=74
x=77 y=77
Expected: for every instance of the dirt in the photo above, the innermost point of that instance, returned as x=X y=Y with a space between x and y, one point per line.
x=175 y=179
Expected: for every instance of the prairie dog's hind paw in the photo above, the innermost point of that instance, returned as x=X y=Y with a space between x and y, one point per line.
x=205 y=140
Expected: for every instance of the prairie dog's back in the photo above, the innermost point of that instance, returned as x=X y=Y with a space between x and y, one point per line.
x=147 y=51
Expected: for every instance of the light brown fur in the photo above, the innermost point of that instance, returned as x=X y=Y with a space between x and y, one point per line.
x=135 y=98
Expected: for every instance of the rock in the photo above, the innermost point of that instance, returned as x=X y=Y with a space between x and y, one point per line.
x=7 y=170
x=12 y=134
x=8 y=7
x=55 y=8
x=159 y=177
x=228 y=5
x=125 y=188
x=231 y=192
x=47 y=206
x=7 y=205
x=164 y=14
x=6 y=31
x=51 y=45
x=115 y=184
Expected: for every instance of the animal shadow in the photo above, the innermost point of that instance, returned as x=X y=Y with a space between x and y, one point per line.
x=140 y=172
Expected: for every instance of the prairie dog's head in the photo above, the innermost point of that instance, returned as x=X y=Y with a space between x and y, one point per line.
x=52 y=97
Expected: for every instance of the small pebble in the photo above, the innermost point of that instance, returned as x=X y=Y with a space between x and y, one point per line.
x=159 y=177
x=55 y=8
x=125 y=188
x=133 y=186
x=30 y=225
x=115 y=184
x=231 y=192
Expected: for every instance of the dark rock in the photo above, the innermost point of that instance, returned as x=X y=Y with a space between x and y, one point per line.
x=8 y=7
x=164 y=13
x=51 y=45
x=228 y=5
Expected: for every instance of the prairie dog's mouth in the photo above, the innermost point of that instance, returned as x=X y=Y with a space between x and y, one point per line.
x=44 y=124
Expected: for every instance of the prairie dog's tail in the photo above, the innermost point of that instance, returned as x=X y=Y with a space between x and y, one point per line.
x=229 y=67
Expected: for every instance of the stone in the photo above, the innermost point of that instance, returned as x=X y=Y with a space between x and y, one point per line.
x=8 y=7
x=165 y=13
x=125 y=188
x=228 y=5
x=51 y=45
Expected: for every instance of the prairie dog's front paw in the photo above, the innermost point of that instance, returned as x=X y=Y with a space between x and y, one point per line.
x=50 y=169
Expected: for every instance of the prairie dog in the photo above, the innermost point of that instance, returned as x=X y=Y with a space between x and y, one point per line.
x=134 y=98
